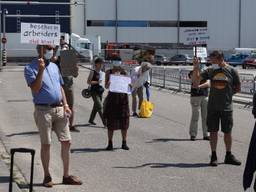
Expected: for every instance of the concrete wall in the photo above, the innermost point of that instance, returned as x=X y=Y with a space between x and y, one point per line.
x=248 y=23
x=222 y=17
x=147 y=9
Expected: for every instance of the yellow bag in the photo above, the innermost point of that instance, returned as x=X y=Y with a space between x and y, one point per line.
x=146 y=109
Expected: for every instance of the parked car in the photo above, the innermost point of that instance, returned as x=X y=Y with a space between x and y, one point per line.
x=236 y=59
x=161 y=60
x=184 y=59
x=250 y=61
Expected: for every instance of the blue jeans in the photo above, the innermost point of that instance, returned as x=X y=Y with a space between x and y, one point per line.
x=146 y=85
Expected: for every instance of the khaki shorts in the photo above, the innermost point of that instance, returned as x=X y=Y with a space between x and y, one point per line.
x=50 y=119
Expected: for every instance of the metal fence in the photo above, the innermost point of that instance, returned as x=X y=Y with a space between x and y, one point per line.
x=177 y=79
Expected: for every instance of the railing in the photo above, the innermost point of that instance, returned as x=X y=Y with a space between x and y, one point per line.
x=177 y=79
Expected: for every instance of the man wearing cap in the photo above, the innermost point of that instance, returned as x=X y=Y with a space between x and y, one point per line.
x=225 y=83
x=51 y=110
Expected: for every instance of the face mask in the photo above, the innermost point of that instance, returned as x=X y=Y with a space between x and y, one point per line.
x=117 y=63
x=215 y=66
x=48 y=55
x=201 y=66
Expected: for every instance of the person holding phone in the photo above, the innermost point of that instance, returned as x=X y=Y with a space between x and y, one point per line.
x=225 y=83
x=51 y=111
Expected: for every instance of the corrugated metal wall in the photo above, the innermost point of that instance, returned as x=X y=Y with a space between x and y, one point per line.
x=12 y=25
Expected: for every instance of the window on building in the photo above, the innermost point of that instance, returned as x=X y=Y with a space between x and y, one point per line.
x=18 y=20
x=101 y=23
x=57 y=18
x=124 y=23
x=163 y=23
x=193 y=23
x=132 y=24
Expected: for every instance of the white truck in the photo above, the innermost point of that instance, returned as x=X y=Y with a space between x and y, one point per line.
x=86 y=47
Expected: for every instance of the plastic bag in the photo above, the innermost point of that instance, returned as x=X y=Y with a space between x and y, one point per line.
x=146 y=109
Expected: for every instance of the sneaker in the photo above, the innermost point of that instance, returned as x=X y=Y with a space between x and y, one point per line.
x=92 y=123
x=48 y=182
x=214 y=161
x=231 y=160
x=192 y=138
x=73 y=129
x=207 y=138
x=71 y=180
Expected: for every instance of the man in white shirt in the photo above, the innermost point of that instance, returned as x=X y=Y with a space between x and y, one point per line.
x=139 y=76
x=137 y=90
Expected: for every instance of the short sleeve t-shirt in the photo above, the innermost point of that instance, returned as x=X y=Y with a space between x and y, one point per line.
x=52 y=81
x=223 y=81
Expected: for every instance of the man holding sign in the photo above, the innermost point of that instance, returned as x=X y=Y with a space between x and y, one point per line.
x=51 y=110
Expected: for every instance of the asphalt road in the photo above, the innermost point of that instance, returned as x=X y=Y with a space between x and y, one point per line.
x=161 y=156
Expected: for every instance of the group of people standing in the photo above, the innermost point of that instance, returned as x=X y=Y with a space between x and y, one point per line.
x=53 y=101
x=115 y=112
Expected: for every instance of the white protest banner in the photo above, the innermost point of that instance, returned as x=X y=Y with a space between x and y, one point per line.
x=120 y=84
x=200 y=52
x=40 y=33
x=194 y=36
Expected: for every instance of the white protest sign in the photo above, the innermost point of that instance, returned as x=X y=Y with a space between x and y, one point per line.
x=40 y=34
x=120 y=84
x=195 y=36
x=200 y=52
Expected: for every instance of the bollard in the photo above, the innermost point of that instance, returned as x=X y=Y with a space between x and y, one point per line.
x=4 y=55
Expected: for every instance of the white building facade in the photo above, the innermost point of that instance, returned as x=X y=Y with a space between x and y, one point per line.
x=230 y=22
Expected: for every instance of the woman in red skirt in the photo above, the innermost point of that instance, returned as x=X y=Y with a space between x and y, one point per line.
x=116 y=109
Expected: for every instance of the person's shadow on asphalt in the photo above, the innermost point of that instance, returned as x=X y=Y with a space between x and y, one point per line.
x=167 y=165
x=89 y=125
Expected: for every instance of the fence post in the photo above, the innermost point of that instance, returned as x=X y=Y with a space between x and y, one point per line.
x=4 y=57
x=164 y=77
x=254 y=85
x=179 y=79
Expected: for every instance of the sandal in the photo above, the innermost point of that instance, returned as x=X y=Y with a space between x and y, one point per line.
x=71 y=180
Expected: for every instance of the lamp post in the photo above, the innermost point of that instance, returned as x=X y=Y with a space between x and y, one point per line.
x=4 y=56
